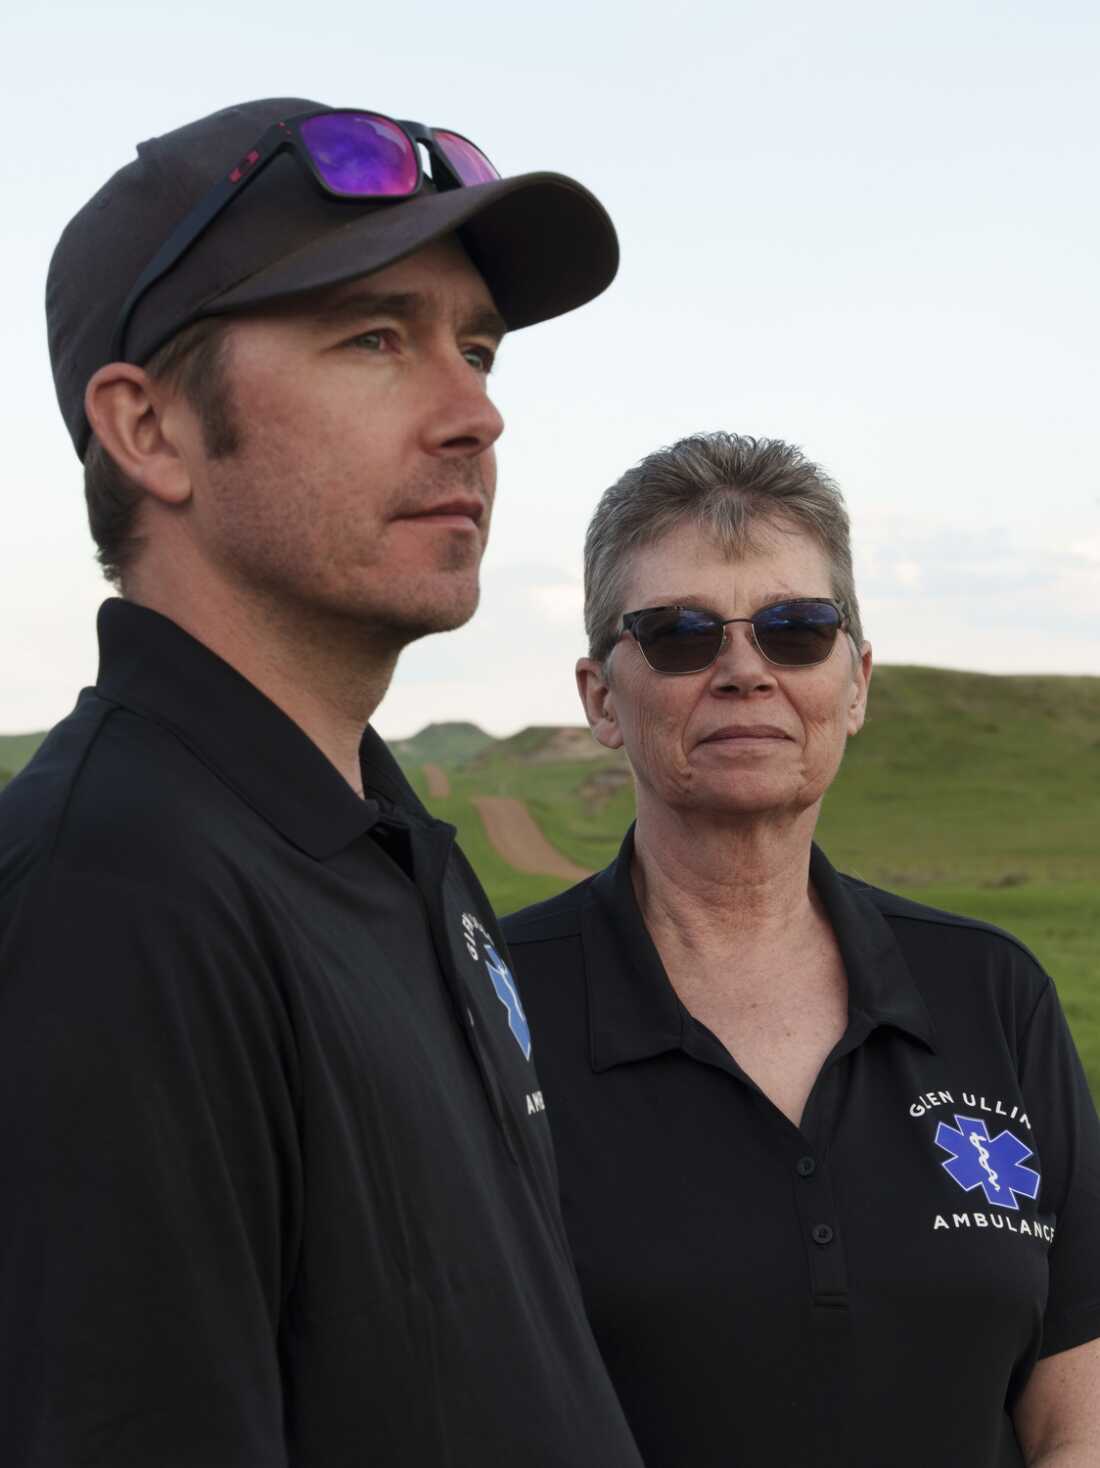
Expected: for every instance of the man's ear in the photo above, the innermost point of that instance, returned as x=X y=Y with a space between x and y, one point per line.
x=599 y=703
x=126 y=410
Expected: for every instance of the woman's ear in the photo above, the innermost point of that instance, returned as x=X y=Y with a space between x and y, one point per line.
x=861 y=682
x=126 y=412
x=598 y=702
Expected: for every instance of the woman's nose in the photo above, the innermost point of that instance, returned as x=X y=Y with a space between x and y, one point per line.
x=741 y=667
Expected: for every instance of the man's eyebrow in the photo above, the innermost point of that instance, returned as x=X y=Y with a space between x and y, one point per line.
x=406 y=306
x=485 y=321
x=356 y=304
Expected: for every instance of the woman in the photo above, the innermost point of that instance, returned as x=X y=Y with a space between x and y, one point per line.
x=829 y=1165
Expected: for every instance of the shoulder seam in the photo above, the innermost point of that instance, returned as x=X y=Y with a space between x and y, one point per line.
x=934 y=916
x=520 y=929
x=111 y=707
x=517 y=940
x=1044 y=995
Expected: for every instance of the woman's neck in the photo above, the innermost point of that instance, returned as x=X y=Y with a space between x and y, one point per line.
x=702 y=884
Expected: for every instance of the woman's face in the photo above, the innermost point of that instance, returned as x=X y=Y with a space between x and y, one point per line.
x=744 y=736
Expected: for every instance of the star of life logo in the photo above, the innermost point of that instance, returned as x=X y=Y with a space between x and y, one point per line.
x=993 y=1164
x=500 y=976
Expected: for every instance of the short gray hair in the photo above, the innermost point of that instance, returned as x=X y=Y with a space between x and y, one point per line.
x=727 y=483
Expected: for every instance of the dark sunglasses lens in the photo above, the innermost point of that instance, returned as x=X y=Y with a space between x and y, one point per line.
x=679 y=640
x=797 y=634
x=361 y=155
x=468 y=162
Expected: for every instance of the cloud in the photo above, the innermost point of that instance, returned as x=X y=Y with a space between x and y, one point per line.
x=560 y=602
x=907 y=573
x=989 y=600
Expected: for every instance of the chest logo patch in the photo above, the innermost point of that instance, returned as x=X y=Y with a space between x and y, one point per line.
x=993 y=1164
x=505 y=988
x=480 y=947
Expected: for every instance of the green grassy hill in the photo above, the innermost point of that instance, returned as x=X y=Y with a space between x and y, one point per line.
x=15 y=751
x=959 y=777
x=441 y=744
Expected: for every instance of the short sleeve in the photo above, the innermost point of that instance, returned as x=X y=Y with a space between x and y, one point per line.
x=149 y=1175
x=1064 y=1119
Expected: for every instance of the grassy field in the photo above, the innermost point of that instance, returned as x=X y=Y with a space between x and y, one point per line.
x=15 y=751
x=976 y=794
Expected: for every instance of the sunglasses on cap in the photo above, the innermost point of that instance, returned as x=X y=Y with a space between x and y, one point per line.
x=349 y=154
x=791 y=634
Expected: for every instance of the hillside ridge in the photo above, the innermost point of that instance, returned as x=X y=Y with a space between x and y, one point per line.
x=952 y=701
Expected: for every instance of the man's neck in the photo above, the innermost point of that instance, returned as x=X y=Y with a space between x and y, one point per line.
x=328 y=676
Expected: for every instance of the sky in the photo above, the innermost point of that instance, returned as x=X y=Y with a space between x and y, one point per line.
x=871 y=230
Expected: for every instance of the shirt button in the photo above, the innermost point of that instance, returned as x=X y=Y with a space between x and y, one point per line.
x=821 y=1234
x=805 y=1167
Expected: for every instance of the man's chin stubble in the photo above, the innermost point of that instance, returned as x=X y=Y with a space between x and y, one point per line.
x=428 y=622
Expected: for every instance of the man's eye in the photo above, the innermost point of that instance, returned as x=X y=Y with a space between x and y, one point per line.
x=480 y=357
x=373 y=341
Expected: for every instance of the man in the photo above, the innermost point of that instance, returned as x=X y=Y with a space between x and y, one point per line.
x=277 y=1179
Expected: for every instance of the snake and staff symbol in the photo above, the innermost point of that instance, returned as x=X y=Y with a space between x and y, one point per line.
x=993 y=1164
x=983 y=1158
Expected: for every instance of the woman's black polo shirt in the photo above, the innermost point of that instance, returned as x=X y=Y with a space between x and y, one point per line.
x=868 y=1290
x=276 y=1179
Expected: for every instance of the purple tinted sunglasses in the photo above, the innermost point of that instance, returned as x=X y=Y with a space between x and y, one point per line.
x=350 y=155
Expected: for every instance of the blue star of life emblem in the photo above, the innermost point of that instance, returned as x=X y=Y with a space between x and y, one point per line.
x=991 y=1163
x=506 y=992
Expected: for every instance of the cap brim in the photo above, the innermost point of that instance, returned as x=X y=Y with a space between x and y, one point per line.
x=543 y=243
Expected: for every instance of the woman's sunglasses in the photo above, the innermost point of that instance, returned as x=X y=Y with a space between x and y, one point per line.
x=349 y=155
x=791 y=634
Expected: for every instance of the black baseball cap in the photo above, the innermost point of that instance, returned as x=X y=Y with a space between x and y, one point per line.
x=543 y=243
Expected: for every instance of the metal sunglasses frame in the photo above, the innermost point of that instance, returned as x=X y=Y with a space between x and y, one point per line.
x=630 y=619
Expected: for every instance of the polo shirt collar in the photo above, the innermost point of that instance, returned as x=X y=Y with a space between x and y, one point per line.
x=154 y=668
x=634 y=1012
x=881 y=987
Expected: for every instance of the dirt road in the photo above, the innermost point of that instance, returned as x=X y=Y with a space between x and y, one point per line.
x=511 y=829
x=438 y=784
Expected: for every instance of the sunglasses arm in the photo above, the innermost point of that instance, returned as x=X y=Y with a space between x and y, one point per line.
x=195 y=224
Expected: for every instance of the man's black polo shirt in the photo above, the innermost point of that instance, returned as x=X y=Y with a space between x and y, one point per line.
x=277 y=1185
x=868 y=1290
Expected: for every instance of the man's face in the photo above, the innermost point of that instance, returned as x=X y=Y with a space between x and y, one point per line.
x=362 y=483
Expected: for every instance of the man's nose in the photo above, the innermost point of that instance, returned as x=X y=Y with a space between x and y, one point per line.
x=463 y=420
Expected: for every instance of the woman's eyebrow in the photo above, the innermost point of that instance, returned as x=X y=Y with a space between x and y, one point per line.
x=708 y=603
x=771 y=597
